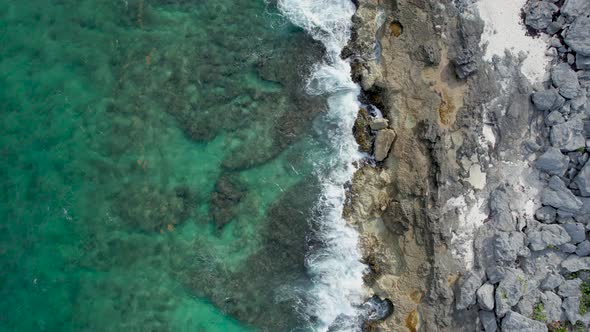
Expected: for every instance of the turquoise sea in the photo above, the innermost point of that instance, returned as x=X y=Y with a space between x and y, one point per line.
x=160 y=165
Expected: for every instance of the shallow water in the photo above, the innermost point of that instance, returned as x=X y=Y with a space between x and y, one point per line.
x=161 y=162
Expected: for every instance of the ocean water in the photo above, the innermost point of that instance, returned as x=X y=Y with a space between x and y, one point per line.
x=175 y=165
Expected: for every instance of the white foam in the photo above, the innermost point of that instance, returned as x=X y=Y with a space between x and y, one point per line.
x=336 y=270
x=504 y=31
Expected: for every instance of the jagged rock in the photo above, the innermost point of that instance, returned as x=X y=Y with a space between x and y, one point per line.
x=362 y=132
x=573 y=8
x=567 y=248
x=509 y=291
x=545 y=99
x=575 y=263
x=515 y=322
x=552 y=306
x=578 y=36
x=582 y=180
x=576 y=231
x=583 y=215
x=552 y=162
x=509 y=245
x=547 y=236
x=539 y=14
x=557 y=195
x=495 y=274
x=465 y=64
x=546 y=214
x=467 y=291
x=383 y=143
x=532 y=296
x=377 y=309
x=552 y=281
x=582 y=62
x=379 y=123
x=570 y=288
x=568 y=136
x=500 y=211
x=583 y=249
x=488 y=321
x=571 y=306
x=485 y=297
x=565 y=80
x=554 y=118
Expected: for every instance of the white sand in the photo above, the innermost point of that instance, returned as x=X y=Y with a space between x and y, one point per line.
x=504 y=31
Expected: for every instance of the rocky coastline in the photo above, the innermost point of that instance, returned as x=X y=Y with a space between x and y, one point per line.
x=474 y=200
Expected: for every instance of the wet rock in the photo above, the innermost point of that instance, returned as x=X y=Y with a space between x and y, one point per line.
x=544 y=99
x=379 y=123
x=582 y=180
x=383 y=143
x=554 y=118
x=515 y=322
x=570 y=288
x=547 y=236
x=485 y=297
x=488 y=321
x=552 y=162
x=583 y=249
x=377 y=309
x=552 y=306
x=565 y=80
x=557 y=195
x=546 y=214
x=568 y=136
x=466 y=296
x=509 y=291
x=576 y=231
x=509 y=245
x=576 y=263
x=539 y=14
x=578 y=36
x=362 y=132
x=552 y=281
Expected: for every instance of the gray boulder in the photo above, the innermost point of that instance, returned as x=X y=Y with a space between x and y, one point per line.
x=554 y=118
x=583 y=249
x=582 y=62
x=583 y=215
x=574 y=8
x=546 y=214
x=488 y=321
x=570 y=288
x=557 y=195
x=379 y=123
x=526 y=305
x=485 y=297
x=578 y=36
x=568 y=136
x=515 y=322
x=571 y=306
x=565 y=79
x=547 y=236
x=509 y=245
x=509 y=291
x=500 y=211
x=576 y=230
x=539 y=14
x=552 y=281
x=545 y=99
x=575 y=263
x=471 y=282
x=552 y=306
x=383 y=142
x=495 y=274
x=582 y=180
x=568 y=248
x=552 y=162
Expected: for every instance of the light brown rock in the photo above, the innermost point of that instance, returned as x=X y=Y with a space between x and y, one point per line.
x=379 y=123
x=383 y=143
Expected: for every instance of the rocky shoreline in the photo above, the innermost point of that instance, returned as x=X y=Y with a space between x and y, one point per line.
x=474 y=204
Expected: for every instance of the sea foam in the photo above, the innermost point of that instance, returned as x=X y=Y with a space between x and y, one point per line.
x=335 y=268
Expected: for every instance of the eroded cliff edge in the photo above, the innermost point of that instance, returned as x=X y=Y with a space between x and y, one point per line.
x=451 y=174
